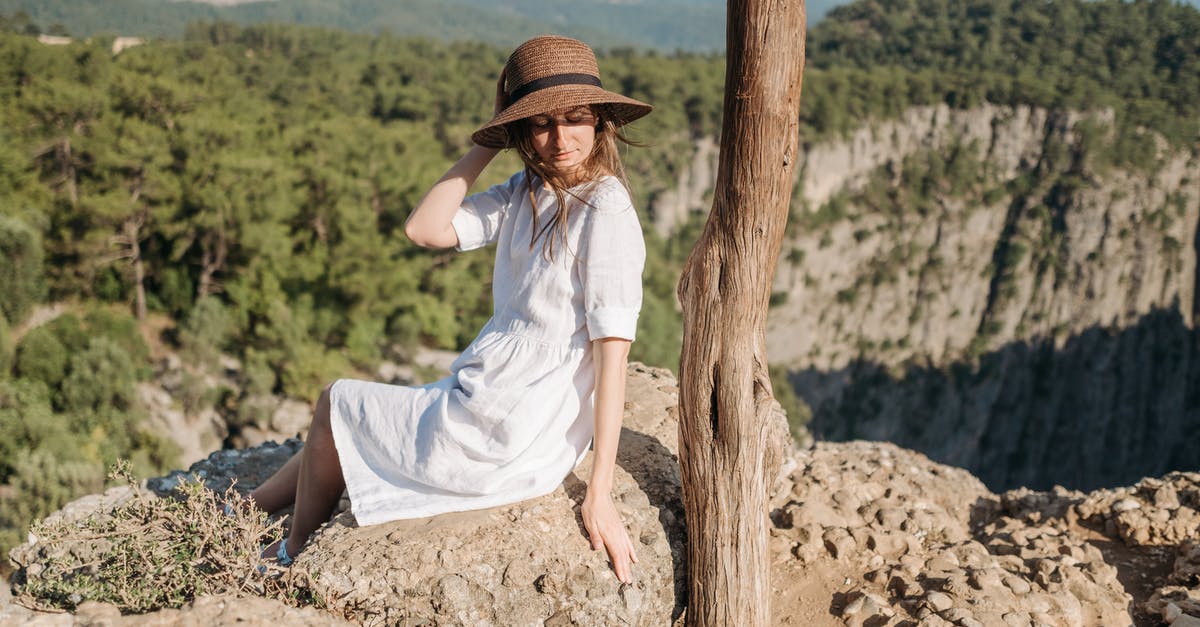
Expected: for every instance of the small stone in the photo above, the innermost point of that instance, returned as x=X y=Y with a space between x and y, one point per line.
x=1186 y=620
x=1166 y=498
x=912 y=564
x=902 y=586
x=838 y=542
x=956 y=614
x=1013 y=619
x=887 y=545
x=1170 y=612
x=933 y=620
x=877 y=605
x=941 y=564
x=939 y=601
x=1019 y=586
x=1126 y=504
x=891 y=517
x=631 y=596
x=855 y=605
x=984 y=579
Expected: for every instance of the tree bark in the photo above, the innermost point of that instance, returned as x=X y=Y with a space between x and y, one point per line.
x=131 y=238
x=726 y=455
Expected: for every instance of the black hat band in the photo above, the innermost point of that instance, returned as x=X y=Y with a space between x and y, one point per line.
x=554 y=80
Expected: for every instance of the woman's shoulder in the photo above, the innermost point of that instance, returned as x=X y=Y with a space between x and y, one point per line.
x=608 y=194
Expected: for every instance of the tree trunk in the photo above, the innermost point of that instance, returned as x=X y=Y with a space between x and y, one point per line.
x=131 y=238
x=726 y=456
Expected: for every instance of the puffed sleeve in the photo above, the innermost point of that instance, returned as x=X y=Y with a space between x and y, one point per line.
x=477 y=221
x=612 y=255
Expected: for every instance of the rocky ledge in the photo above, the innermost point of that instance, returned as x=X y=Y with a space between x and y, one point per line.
x=864 y=533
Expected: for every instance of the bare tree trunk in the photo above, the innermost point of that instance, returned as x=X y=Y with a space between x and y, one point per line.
x=130 y=238
x=214 y=249
x=68 y=171
x=726 y=456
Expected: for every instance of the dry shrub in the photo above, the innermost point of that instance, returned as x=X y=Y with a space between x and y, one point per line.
x=150 y=553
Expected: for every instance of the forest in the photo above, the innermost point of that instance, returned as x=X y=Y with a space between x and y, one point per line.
x=239 y=191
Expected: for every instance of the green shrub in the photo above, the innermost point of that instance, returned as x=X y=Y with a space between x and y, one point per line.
x=42 y=357
x=27 y=422
x=206 y=331
x=122 y=329
x=308 y=368
x=21 y=280
x=101 y=377
x=364 y=341
x=69 y=330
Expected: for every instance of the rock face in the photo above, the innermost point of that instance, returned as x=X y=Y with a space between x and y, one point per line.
x=1001 y=288
x=863 y=534
x=1037 y=329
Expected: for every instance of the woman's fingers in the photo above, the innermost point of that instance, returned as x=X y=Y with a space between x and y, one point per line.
x=620 y=553
x=606 y=530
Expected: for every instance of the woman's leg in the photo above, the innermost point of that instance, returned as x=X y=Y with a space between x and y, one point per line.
x=278 y=491
x=319 y=482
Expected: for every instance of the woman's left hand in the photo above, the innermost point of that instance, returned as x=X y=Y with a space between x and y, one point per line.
x=606 y=530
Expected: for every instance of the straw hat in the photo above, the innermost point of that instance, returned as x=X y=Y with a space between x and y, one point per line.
x=548 y=73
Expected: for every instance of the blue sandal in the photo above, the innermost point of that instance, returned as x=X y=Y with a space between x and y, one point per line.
x=281 y=556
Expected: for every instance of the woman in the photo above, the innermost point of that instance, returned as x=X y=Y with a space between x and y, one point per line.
x=546 y=374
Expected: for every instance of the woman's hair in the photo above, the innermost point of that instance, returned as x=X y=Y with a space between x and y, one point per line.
x=603 y=160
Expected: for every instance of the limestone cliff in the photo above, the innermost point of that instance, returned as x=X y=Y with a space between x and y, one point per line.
x=1006 y=289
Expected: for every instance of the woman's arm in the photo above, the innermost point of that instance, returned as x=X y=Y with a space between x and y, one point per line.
x=604 y=525
x=429 y=223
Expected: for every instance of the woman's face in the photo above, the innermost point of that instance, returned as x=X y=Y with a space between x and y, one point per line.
x=563 y=138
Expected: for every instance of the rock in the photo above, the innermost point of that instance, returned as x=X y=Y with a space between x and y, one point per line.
x=839 y=542
x=526 y=562
x=291 y=418
x=1126 y=505
x=939 y=601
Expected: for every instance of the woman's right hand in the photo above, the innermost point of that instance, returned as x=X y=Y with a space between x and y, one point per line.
x=501 y=95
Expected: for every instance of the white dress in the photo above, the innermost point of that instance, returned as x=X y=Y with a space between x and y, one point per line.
x=515 y=414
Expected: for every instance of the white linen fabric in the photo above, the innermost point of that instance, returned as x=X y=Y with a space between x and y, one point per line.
x=515 y=414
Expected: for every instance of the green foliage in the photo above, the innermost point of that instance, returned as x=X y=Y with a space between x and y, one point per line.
x=122 y=330
x=21 y=280
x=42 y=483
x=72 y=409
x=798 y=412
x=204 y=334
x=364 y=342
x=7 y=350
x=1137 y=57
x=42 y=357
x=101 y=377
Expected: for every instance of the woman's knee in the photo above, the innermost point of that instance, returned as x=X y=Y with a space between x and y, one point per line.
x=321 y=415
